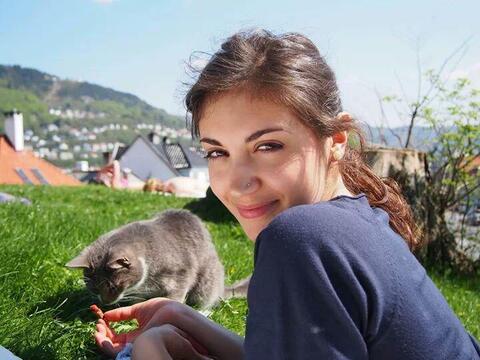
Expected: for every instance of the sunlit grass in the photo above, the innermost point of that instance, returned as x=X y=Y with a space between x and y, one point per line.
x=44 y=306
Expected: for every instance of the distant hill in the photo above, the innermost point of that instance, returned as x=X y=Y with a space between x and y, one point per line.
x=44 y=98
x=422 y=137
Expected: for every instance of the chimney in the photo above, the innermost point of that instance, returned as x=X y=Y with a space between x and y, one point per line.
x=154 y=138
x=14 y=128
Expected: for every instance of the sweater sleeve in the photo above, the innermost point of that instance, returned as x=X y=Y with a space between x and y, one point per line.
x=305 y=299
x=333 y=281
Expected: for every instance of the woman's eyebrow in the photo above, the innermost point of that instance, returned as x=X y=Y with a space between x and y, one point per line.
x=251 y=137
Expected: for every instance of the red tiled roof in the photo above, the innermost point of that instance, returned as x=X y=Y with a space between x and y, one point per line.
x=474 y=165
x=10 y=160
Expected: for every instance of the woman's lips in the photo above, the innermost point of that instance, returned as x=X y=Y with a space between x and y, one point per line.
x=256 y=211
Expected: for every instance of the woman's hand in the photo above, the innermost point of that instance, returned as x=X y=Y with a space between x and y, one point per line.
x=205 y=336
x=165 y=342
x=149 y=314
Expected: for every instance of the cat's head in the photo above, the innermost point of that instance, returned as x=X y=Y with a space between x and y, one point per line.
x=110 y=272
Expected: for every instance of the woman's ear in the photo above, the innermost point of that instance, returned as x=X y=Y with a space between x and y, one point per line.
x=339 y=139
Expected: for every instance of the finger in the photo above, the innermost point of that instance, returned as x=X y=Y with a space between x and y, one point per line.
x=157 y=322
x=103 y=342
x=107 y=340
x=183 y=348
x=196 y=345
x=120 y=314
x=122 y=338
x=109 y=331
x=97 y=311
x=138 y=311
x=128 y=337
x=133 y=311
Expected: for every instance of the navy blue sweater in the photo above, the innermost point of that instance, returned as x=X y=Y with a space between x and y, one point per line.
x=332 y=280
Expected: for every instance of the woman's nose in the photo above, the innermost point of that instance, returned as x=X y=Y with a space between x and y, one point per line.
x=242 y=187
x=243 y=179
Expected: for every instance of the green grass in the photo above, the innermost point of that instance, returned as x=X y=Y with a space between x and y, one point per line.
x=44 y=306
x=463 y=295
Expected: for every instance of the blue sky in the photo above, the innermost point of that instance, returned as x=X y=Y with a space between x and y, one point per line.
x=140 y=46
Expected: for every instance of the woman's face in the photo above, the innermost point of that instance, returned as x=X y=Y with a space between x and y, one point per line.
x=262 y=159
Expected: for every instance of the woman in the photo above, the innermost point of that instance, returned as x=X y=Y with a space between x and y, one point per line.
x=334 y=277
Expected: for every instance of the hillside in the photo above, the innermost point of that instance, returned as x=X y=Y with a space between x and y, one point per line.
x=66 y=121
x=44 y=98
x=423 y=138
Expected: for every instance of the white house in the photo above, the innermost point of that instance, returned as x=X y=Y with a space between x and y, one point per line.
x=156 y=157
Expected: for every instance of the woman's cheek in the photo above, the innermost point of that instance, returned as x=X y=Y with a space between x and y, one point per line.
x=217 y=180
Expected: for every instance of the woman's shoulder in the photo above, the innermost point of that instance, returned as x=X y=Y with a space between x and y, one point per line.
x=343 y=206
x=333 y=222
x=342 y=228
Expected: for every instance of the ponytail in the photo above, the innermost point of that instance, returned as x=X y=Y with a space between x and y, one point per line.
x=384 y=193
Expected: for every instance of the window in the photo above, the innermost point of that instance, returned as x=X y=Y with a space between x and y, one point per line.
x=23 y=176
x=38 y=174
x=176 y=156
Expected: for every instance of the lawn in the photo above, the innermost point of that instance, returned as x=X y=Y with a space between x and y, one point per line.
x=44 y=306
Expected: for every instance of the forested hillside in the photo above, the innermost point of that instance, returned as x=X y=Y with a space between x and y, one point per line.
x=44 y=98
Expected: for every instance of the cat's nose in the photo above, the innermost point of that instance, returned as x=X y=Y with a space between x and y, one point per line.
x=106 y=298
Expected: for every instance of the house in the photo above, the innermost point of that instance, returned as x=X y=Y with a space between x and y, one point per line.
x=19 y=165
x=156 y=157
x=387 y=161
x=472 y=165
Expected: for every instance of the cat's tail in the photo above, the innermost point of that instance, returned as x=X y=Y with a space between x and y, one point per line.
x=238 y=289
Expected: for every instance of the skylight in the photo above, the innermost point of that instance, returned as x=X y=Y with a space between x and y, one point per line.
x=23 y=176
x=38 y=174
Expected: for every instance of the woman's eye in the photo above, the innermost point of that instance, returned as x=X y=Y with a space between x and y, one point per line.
x=214 y=154
x=269 y=147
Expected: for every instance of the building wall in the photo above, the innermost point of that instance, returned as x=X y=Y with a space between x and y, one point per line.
x=144 y=163
x=386 y=161
x=198 y=173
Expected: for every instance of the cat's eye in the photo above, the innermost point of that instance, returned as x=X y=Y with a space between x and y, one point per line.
x=112 y=269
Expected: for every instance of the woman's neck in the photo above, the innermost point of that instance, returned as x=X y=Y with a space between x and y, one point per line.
x=335 y=187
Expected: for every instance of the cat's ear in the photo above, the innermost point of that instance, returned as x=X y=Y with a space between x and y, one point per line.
x=81 y=261
x=121 y=262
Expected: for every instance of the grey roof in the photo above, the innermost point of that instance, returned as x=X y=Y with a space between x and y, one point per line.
x=180 y=156
x=176 y=155
x=194 y=158
x=120 y=151
x=160 y=152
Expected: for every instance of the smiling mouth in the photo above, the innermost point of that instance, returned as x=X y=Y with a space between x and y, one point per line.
x=257 y=211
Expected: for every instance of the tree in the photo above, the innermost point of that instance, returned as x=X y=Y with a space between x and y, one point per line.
x=451 y=109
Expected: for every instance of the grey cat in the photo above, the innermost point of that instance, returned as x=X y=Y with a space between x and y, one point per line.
x=171 y=255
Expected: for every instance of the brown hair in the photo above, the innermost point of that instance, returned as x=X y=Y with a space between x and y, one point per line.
x=288 y=69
